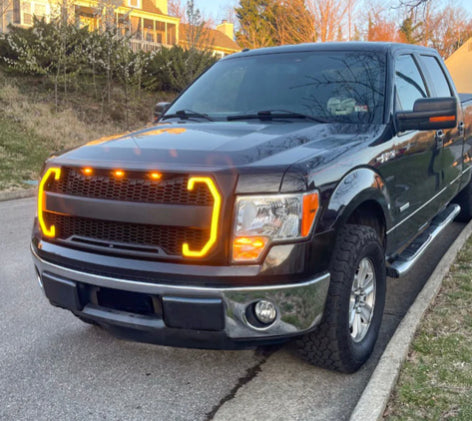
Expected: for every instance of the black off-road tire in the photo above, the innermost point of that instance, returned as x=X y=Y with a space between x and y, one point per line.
x=331 y=345
x=464 y=200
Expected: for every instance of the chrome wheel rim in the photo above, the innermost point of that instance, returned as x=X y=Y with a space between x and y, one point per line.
x=362 y=300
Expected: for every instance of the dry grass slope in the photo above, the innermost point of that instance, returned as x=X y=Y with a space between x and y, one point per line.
x=62 y=128
x=31 y=129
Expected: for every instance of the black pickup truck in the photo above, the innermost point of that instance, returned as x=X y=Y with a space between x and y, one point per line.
x=269 y=203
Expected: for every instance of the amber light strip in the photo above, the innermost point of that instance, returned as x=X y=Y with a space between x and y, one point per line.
x=442 y=118
x=214 y=217
x=48 y=232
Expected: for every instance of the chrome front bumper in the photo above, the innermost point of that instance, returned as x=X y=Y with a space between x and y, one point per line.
x=299 y=306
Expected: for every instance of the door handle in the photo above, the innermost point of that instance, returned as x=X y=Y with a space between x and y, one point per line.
x=461 y=128
x=440 y=136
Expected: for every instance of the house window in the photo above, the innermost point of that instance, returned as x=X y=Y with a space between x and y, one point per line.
x=27 y=17
x=16 y=11
x=134 y=3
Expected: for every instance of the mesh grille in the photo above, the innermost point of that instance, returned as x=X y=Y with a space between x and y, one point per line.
x=170 y=239
x=136 y=187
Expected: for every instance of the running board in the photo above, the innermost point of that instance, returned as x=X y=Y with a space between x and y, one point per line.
x=407 y=259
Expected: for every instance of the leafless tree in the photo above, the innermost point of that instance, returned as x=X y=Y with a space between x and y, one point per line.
x=412 y=4
x=4 y=6
x=329 y=17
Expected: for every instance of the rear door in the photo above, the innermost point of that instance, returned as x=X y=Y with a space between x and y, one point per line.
x=449 y=141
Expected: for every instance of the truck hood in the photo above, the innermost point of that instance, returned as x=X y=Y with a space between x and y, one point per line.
x=220 y=145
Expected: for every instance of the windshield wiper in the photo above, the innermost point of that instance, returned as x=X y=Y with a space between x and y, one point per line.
x=187 y=114
x=271 y=114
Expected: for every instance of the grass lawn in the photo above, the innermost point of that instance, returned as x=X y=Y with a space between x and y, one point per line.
x=22 y=153
x=31 y=128
x=436 y=380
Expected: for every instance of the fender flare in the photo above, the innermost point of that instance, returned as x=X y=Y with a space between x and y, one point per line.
x=355 y=188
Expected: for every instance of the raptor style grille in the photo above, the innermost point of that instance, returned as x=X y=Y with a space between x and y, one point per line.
x=169 y=239
x=136 y=187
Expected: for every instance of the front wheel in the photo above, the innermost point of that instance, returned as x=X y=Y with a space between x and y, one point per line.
x=354 y=307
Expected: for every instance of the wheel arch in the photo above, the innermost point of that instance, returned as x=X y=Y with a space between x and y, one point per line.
x=359 y=198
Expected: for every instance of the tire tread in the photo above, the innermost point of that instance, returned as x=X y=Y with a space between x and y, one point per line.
x=325 y=346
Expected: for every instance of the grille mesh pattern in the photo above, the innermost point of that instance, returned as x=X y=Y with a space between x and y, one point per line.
x=136 y=187
x=170 y=239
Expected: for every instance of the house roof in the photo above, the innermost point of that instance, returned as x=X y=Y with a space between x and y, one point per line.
x=459 y=65
x=149 y=6
x=215 y=38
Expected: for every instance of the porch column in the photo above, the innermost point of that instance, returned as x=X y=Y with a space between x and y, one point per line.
x=154 y=35
x=166 y=41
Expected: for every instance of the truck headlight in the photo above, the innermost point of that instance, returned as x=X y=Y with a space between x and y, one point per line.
x=262 y=220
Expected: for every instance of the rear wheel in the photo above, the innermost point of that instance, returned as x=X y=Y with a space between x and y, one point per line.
x=353 y=313
x=464 y=200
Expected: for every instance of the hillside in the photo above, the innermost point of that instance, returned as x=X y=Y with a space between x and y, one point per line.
x=31 y=128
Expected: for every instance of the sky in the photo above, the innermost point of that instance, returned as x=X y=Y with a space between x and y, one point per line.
x=215 y=9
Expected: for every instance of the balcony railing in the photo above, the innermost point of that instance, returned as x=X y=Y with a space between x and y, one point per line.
x=146 y=46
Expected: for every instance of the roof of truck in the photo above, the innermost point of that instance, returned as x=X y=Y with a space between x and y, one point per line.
x=334 y=46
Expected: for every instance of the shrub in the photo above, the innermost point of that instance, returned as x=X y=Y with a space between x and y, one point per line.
x=175 y=68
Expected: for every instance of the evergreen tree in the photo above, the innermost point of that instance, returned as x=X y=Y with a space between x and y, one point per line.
x=409 y=30
x=198 y=35
x=292 y=22
x=256 y=23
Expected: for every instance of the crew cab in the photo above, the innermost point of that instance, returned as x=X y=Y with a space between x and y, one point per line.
x=270 y=202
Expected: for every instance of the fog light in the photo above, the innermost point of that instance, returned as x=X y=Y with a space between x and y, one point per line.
x=265 y=311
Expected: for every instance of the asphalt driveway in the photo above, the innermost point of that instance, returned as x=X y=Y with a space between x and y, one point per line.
x=52 y=366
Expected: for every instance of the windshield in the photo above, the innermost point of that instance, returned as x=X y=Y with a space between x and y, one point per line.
x=328 y=86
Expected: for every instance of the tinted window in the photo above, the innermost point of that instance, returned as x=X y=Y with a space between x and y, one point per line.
x=334 y=86
x=409 y=83
x=439 y=81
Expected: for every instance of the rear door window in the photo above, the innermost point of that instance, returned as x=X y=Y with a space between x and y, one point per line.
x=409 y=83
x=439 y=84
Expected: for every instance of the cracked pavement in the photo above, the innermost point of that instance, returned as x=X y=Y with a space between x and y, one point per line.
x=52 y=366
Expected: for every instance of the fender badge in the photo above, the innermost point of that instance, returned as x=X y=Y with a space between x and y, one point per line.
x=386 y=156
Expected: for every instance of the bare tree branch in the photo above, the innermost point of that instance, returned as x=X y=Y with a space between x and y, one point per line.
x=4 y=6
x=412 y=5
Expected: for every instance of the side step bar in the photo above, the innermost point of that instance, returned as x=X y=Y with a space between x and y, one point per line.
x=407 y=259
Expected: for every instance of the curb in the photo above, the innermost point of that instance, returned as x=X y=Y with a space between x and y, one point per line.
x=376 y=395
x=17 y=194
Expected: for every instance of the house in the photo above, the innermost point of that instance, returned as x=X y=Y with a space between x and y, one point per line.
x=148 y=21
x=459 y=65
x=219 y=40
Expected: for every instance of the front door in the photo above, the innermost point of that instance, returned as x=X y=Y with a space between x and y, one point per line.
x=416 y=169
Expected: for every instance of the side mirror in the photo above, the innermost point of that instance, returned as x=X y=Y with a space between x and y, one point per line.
x=161 y=108
x=429 y=114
